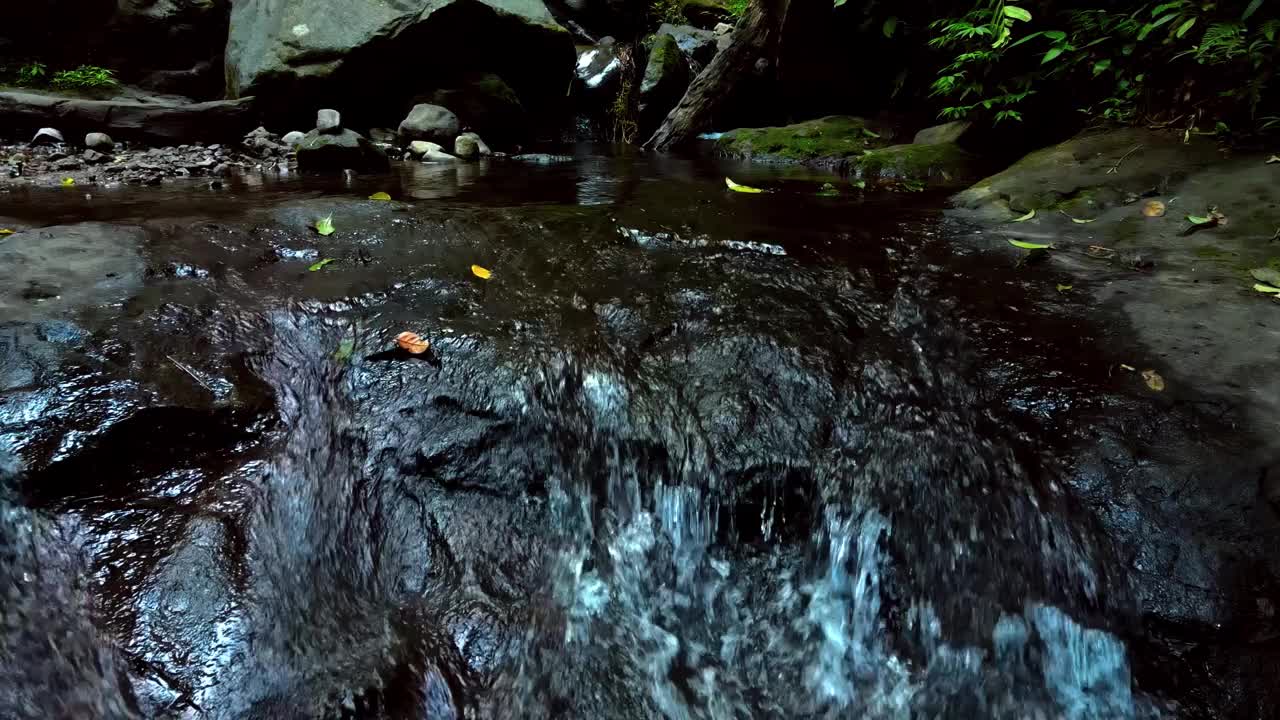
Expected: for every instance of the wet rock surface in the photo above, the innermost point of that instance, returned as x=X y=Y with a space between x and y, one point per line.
x=683 y=454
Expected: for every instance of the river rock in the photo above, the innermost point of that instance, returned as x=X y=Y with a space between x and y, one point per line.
x=699 y=46
x=481 y=147
x=429 y=122
x=93 y=157
x=666 y=75
x=418 y=148
x=101 y=142
x=944 y=133
x=723 y=29
x=486 y=104
x=465 y=147
x=47 y=136
x=329 y=122
x=437 y=156
x=599 y=70
x=346 y=150
x=293 y=138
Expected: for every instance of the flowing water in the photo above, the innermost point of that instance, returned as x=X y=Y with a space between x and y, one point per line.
x=688 y=454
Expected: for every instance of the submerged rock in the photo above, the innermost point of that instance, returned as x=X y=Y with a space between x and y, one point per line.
x=418 y=148
x=941 y=164
x=482 y=149
x=429 y=122
x=346 y=150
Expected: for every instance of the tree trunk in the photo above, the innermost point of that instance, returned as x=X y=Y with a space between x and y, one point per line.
x=753 y=50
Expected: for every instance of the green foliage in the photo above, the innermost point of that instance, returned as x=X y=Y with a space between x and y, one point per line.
x=32 y=73
x=1181 y=59
x=85 y=77
x=736 y=8
x=667 y=11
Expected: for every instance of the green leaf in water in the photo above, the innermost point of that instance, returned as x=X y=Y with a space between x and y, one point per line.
x=324 y=225
x=1063 y=288
x=68 y=182
x=1267 y=289
x=1029 y=245
x=345 y=350
x=317 y=267
x=1199 y=220
x=740 y=188
x=1023 y=218
x=379 y=196
x=1269 y=276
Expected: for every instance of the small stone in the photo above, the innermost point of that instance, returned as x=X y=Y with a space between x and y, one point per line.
x=215 y=147
x=329 y=122
x=723 y=29
x=94 y=157
x=47 y=136
x=67 y=164
x=293 y=138
x=101 y=142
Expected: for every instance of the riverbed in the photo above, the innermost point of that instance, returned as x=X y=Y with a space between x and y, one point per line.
x=673 y=451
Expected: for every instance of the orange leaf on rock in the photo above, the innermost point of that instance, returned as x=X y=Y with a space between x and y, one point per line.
x=482 y=273
x=1153 y=208
x=412 y=342
x=1153 y=380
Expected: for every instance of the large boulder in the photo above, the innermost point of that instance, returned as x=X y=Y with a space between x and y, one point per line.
x=431 y=123
x=666 y=76
x=698 y=45
x=486 y=104
x=185 y=39
x=146 y=119
x=346 y=150
x=298 y=51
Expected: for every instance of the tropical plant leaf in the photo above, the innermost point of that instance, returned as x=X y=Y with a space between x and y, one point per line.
x=324 y=225
x=1184 y=27
x=1017 y=13
x=1023 y=218
x=1029 y=245
x=379 y=196
x=740 y=188
x=1049 y=56
x=482 y=273
x=890 y=26
x=318 y=266
x=1250 y=10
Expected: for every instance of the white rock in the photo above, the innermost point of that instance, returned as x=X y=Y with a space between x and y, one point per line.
x=329 y=122
x=293 y=138
x=47 y=136
x=101 y=142
x=418 y=148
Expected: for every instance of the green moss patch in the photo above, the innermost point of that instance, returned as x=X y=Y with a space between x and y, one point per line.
x=830 y=140
x=931 y=164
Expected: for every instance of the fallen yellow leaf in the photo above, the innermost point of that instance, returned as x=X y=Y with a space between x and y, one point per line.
x=741 y=188
x=6 y=231
x=1273 y=159
x=1153 y=208
x=480 y=272
x=412 y=342
x=1153 y=380
x=379 y=196
x=68 y=182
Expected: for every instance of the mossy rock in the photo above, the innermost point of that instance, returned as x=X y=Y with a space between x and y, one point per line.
x=706 y=13
x=826 y=142
x=486 y=104
x=936 y=165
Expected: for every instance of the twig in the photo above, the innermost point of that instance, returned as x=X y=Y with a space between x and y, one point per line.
x=1116 y=168
x=190 y=372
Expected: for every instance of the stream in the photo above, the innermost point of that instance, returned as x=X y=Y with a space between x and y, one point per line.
x=686 y=454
